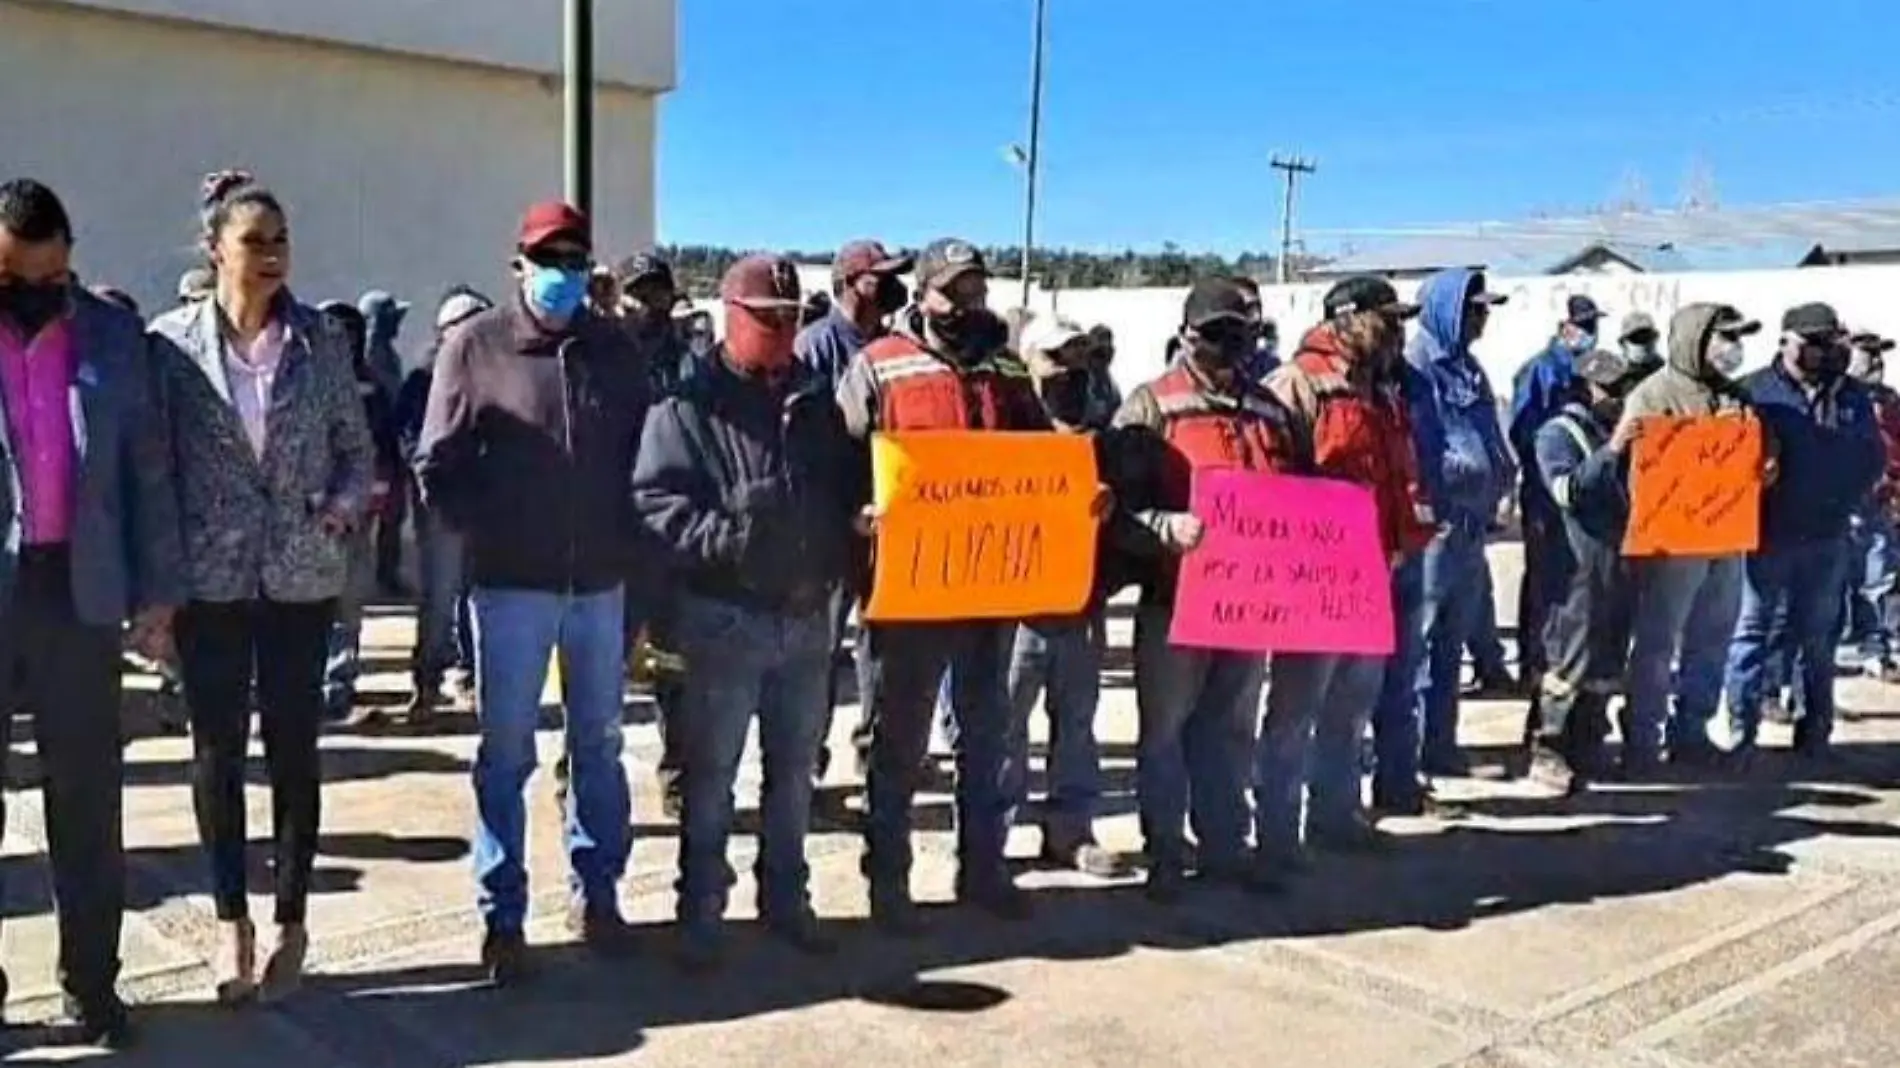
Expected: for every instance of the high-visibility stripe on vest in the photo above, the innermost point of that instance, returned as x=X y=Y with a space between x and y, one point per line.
x=1205 y=431
x=918 y=390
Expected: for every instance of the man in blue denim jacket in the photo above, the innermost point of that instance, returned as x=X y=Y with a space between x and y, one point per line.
x=1467 y=469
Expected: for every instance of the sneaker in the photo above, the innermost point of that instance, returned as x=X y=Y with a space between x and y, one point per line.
x=802 y=931
x=999 y=896
x=103 y=1022
x=1775 y=710
x=893 y=912
x=601 y=928
x=505 y=957
x=1085 y=856
x=1552 y=770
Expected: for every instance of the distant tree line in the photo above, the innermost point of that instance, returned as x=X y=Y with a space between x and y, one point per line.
x=698 y=268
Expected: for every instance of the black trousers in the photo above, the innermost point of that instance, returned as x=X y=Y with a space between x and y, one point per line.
x=65 y=674
x=224 y=647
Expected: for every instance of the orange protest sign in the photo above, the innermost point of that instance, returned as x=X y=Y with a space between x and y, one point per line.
x=981 y=525
x=1695 y=487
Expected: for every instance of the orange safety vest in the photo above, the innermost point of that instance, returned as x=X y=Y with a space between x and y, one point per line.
x=1250 y=432
x=919 y=390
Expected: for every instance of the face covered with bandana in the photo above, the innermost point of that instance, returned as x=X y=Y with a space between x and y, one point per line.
x=762 y=308
x=1221 y=348
x=957 y=315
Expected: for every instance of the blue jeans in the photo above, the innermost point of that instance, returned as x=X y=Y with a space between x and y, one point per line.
x=1059 y=660
x=1395 y=719
x=741 y=661
x=905 y=665
x=439 y=564
x=1487 y=649
x=1871 y=585
x=1314 y=713
x=1685 y=616
x=1196 y=709
x=1806 y=579
x=1453 y=570
x=515 y=630
x=344 y=664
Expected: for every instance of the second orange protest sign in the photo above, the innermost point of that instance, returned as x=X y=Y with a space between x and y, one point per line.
x=982 y=525
x=1695 y=487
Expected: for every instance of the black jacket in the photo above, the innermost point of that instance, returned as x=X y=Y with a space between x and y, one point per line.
x=746 y=482
x=527 y=448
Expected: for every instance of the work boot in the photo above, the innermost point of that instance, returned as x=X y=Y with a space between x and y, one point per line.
x=505 y=957
x=236 y=973
x=101 y=1021
x=1775 y=710
x=601 y=928
x=283 y=972
x=893 y=912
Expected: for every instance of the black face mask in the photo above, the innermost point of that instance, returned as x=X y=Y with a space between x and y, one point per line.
x=891 y=295
x=1821 y=364
x=31 y=305
x=1224 y=346
x=1066 y=397
x=969 y=333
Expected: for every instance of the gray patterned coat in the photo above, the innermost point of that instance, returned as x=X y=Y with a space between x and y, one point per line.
x=250 y=526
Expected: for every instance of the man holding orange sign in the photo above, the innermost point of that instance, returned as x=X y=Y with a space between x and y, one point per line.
x=945 y=366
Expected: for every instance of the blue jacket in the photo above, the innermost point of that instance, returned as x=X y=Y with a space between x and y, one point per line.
x=1464 y=462
x=1585 y=479
x=1829 y=450
x=827 y=345
x=1540 y=390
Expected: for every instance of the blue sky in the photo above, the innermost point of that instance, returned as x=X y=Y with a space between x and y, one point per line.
x=802 y=123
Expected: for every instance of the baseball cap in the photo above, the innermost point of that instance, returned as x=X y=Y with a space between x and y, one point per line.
x=1872 y=342
x=1637 y=323
x=761 y=282
x=1815 y=320
x=1728 y=320
x=643 y=267
x=1216 y=298
x=946 y=259
x=1363 y=293
x=1478 y=291
x=1046 y=335
x=867 y=257
x=458 y=307
x=551 y=219
x=1603 y=368
x=1582 y=311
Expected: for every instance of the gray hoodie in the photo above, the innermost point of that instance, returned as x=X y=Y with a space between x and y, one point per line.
x=1687 y=385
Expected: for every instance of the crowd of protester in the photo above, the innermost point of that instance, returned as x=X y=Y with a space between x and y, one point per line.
x=582 y=471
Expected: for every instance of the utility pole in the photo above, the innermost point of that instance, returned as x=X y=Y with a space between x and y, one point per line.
x=578 y=105
x=1294 y=167
x=1035 y=146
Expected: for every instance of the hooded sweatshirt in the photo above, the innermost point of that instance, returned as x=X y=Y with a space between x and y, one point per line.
x=1687 y=385
x=1542 y=388
x=1464 y=462
x=383 y=316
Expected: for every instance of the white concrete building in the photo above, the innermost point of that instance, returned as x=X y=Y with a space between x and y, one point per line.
x=405 y=136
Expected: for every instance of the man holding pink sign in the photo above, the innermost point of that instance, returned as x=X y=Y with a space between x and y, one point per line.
x=1196 y=705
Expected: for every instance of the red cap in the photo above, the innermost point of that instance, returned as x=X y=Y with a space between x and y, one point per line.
x=761 y=282
x=867 y=257
x=551 y=219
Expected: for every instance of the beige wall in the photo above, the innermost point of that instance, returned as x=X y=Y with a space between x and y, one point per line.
x=398 y=172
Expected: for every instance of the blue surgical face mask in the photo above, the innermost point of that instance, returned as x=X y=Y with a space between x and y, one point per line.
x=555 y=291
x=1585 y=342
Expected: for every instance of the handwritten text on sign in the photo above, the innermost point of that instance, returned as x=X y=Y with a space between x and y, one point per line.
x=982 y=525
x=1695 y=487
x=1286 y=565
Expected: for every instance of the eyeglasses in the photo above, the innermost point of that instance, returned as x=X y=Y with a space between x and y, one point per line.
x=558 y=259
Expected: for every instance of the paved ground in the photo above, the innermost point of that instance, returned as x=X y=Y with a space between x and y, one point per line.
x=1745 y=924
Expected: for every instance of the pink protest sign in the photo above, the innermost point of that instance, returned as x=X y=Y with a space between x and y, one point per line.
x=1286 y=565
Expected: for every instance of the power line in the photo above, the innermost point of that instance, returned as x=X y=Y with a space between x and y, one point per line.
x=1293 y=167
